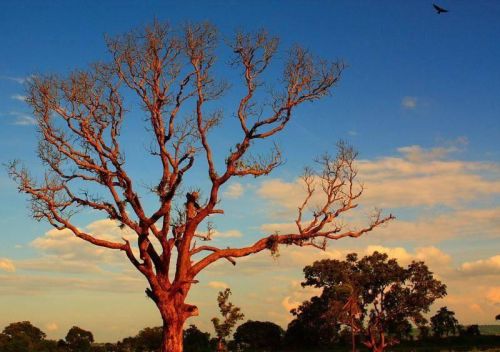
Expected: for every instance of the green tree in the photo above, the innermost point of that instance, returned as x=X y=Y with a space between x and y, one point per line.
x=258 y=335
x=79 y=340
x=389 y=296
x=230 y=317
x=444 y=322
x=196 y=340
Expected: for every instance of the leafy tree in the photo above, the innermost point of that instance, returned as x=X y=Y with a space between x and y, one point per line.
x=24 y=328
x=126 y=345
x=196 y=340
x=309 y=328
x=388 y=296
x=400 y=329
x=21 y=337
x=170 y=72
x=149 y=339
x=444 y=322
x=258 y=335
x=470 y=330
x=423 y=331
x=230 y=317
x=4 y=342
x=79 y=340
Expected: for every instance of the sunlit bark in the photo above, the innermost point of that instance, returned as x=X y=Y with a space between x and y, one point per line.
x=80 y=120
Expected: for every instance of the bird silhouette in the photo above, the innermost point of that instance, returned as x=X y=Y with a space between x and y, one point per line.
x=439 y=9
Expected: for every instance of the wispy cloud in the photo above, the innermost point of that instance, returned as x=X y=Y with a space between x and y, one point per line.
x=409 y=103
x=7 y=265
x=218 y=285
x=490 y=266
x=227 y=234
x=20 y=80
x=417 y=177
x=18 y=97
x=21 y=119
x=24 y=120
x=234 y=191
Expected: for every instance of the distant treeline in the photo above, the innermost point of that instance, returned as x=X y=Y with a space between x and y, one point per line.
x=251 y=336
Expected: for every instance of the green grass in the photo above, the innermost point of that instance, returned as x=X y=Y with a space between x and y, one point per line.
x=489 y=329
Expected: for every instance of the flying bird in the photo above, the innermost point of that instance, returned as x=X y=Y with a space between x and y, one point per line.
x=439 y=9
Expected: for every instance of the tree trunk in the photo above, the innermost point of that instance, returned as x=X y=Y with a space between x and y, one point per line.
x=353 y=340
x=172 y=340
x=353 y=335
x=221 y=347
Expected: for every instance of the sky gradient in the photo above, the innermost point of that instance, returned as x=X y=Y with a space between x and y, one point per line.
x=420 y=101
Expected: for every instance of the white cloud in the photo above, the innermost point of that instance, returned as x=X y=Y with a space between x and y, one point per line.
x=34 y=284
x=416 y=178
x=58 y=264
x=18 y=97
x=490 y=266
x=430 y=228
x=298 y=294
x=417 y=154
x=65 y=245
x=280 y=228
x=227 y=234
x=7 y=265
x=218 y=285
x=61 y=251
x=430 y=255
x=234 y=191
x=23 y=120
x=409 y=102
x=20 y=80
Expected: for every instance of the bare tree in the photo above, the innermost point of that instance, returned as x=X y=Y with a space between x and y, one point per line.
x=80 y=120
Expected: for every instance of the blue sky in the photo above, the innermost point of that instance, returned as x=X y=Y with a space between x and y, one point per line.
x=420 y=101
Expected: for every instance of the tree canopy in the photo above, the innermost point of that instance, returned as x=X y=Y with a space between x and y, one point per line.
x=387 y=296
x=444 y=323
x=79 y=340
x=258 y=335
x=230 y=316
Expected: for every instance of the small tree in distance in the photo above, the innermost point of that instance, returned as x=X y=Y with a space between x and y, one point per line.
x=230 y=316
x=80 y=119
x=258 y=336
x=196 y=340
x=444 y=322
x=79 y=340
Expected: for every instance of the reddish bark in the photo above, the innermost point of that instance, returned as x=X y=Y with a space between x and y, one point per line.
x=80 y=119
